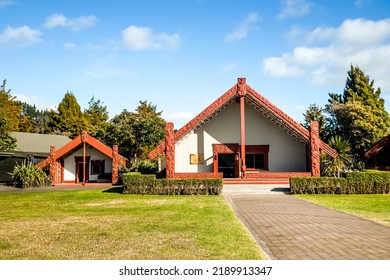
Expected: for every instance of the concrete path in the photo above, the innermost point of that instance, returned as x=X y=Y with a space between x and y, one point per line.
x=288 y=228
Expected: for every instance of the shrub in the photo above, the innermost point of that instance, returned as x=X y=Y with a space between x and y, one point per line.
x=135 y=183
x=25 y=175
x=145 y=166
x=318 y=185
x=370 y=182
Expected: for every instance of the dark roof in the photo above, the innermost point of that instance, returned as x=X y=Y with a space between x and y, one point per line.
x=378 y=146
x=36 y=144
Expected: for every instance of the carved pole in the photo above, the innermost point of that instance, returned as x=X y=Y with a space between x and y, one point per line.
x=315 y=149
x=241 y=91
x=53 y=165
x=170 y=150
x=115 y=165
x=84 y=139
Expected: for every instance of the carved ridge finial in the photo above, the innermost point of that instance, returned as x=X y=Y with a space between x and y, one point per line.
x=241 y=86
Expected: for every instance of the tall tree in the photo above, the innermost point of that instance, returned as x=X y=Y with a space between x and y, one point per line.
x=69 y=119
x=39 y=118
x=11 y=112
x=315 y=113
x=97 y=115
x=359 y=115
x=137 y=132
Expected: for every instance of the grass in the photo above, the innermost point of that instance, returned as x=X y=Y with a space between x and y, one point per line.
x=96 y=224
x=374 y=207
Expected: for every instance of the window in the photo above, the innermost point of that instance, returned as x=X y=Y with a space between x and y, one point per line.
x=97 y=167
x=254 y=161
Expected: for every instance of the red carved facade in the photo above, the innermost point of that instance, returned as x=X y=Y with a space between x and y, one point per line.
x=315 y=149
x=269 y=110
x=56 y=157
x=170 y=150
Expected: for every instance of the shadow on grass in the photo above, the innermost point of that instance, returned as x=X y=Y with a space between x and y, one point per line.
x=117 y=190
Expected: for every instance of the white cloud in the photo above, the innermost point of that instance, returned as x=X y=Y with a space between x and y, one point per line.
x=243 y=28
x=70 y=46
x=294 y=8
x=325 y=54
x=35 y=100
x=76 y=24
x=143 y=38
x=21 y=37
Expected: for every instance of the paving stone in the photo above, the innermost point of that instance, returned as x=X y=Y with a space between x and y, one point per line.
x=291 y=228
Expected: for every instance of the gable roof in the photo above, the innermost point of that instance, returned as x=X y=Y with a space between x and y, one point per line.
x=76 y=143
x=378 y=146
x=257 y=101
x=36 y=144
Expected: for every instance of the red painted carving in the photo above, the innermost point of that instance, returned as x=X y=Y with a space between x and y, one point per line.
x=315 y=149
x=83 y=136
x=170 y=150
x=241 y=86
x=53 y=165
x=259 y=99
x=199 y=175
x=262 y=174
x=115 y=165
x=226 y=148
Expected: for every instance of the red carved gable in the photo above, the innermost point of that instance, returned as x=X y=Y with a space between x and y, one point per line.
x=77 y=142
x=382 y=143
x=255 y=99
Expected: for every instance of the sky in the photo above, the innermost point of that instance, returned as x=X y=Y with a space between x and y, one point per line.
x=181 y=55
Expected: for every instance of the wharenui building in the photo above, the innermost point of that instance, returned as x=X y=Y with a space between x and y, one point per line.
x=84 y=160
x=242 y=135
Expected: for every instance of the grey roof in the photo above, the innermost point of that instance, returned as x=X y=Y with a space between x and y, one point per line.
x=37 y=144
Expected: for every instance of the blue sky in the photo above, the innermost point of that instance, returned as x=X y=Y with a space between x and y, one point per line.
x=183 y=54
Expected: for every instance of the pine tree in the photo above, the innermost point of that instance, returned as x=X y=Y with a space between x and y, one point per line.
x=359 y=115
x=315 y=113
x=69 y=119
x=11 y=112
x=98 y=116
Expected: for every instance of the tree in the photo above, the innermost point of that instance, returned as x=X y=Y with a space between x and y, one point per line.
x=69 y=119
x=136 y=133
x=98 y=116
x=11 y=112
x=7 y=142
x=39 y=118
x=359 y=114
x=334 y=166
x=315 y=113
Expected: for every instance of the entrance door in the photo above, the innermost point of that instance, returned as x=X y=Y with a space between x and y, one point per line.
x=226 y=164
x=80 y=169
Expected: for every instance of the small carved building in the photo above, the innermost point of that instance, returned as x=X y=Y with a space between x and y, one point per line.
x=242 y=135
x=378 y=157
x=83 y=160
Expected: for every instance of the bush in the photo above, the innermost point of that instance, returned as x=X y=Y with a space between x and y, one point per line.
x=135 y=183
x=25 y=175
x=318 y=185
x=371 y=182
x=145 y=166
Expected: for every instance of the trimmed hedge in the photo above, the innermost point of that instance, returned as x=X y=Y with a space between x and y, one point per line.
x=318 y=185
x=134 y=183
x=353 y=183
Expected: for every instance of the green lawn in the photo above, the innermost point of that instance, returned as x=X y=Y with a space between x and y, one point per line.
x=96 y=224
x=374 y=207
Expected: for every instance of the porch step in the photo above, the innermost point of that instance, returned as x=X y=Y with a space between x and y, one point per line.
x=257 y=181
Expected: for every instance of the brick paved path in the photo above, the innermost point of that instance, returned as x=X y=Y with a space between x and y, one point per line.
x=289 y=228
